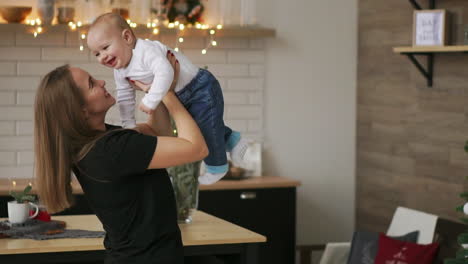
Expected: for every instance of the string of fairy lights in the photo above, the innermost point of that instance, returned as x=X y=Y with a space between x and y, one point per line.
x=154 y=27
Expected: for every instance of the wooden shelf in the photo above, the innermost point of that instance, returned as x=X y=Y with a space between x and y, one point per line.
x=428 y=70
x=140 y=30
x=410 y=52
x=432 y=49
x=429 y=52
x=233 y=32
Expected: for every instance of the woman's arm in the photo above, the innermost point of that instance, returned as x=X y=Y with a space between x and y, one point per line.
x=158 y=124
x=189 y=146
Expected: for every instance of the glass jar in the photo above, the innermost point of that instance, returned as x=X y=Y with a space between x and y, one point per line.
x=65 y=11
x=89 y=10
x=248 y=12
x=184 y=180
x=46 y=11
x=158 y=12
x=141 y=11
x=211 y=13
x=121 y=7
x=230 y=12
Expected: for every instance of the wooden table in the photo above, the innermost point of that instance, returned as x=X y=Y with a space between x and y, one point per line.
x=273 y=194
x=206 y=235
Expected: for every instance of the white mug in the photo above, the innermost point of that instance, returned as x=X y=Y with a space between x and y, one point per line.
x=19 y=212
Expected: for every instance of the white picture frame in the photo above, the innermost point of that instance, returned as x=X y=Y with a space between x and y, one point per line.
x=430 y=28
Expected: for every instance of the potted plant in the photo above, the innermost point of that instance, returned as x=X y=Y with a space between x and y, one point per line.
x=23 y=196
x=18 y=209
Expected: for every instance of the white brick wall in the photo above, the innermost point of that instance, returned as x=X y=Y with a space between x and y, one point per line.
x=36 y=68
x=7 y=128
x=7 y=98
x=25 y=98
x=7 y=68
x=7 y=158
x=10 y=53
x=237 y=62
x=24 y=128
x=8 y=38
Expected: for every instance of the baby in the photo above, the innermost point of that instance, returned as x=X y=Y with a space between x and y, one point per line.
x=114 y=44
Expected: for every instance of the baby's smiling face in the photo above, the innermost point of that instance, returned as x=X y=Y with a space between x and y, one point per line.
x=111 y=46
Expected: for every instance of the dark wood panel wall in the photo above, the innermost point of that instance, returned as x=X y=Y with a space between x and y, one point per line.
x=410 y=137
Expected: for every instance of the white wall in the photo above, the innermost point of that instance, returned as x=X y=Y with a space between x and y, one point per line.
x=310 y=110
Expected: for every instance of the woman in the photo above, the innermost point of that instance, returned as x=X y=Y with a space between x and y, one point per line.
x=120 y=170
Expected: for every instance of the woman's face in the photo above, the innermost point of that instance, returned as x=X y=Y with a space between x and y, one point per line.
x=98 y=100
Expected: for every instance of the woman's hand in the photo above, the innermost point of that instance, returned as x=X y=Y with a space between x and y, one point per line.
x=137 y=85
x=175 y=65
x=145 y=87
x=145 y=109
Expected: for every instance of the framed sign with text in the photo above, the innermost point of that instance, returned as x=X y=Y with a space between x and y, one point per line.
x=430 y=28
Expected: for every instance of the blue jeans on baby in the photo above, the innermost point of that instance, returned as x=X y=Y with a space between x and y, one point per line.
x=203 y=99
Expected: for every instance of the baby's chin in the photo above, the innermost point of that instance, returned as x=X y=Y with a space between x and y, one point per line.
x=119 y=66
x=116 y=67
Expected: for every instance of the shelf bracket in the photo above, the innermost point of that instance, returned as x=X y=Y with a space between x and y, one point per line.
x=418 y=7
x=427 y=73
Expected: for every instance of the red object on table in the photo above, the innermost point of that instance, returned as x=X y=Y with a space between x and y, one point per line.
x=42 y=215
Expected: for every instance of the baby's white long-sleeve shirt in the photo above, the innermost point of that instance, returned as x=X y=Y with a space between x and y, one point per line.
x=149 y=65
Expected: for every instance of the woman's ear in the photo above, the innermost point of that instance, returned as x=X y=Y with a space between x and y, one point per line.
x=127 y=36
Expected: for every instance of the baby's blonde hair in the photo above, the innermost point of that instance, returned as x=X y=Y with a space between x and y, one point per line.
x=115 y=20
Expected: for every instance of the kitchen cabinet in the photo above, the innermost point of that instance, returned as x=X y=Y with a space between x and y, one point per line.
x=267 y=211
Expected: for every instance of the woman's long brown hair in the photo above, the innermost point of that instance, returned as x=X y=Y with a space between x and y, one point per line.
x=62 y=137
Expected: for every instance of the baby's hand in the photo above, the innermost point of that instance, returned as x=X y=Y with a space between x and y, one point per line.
x=139 y=85
x=145 y=109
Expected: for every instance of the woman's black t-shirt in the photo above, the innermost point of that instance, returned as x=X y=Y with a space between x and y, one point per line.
x=136 y=206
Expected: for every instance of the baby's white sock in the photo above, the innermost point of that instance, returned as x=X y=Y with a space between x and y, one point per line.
x=210 y=178
x=238 y=152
